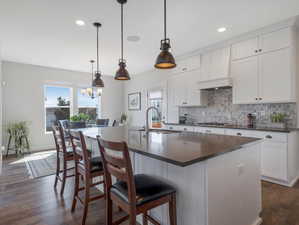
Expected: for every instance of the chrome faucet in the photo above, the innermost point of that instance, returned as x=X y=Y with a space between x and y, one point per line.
x=147 y=114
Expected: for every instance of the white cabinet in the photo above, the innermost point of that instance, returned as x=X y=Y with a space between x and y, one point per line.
x=268 y=76
x=274 y=160
x=180 y=128
x=188 y=64
x=275 y=40
x=183 y=90
x=245 y=80
x=275 y=77
x=262 y=44
x=209 y=130
x=215 y=64
x=245 y=49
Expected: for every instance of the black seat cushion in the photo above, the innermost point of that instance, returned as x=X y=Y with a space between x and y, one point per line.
x=148 y=188
x=95 y=164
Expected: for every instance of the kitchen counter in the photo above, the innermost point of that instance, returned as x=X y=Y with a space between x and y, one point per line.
x=213 y=174
x=178 y=148
x=231 y=126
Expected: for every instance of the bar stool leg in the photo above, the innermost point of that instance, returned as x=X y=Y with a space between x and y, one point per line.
x=64 y=174
x=132 y=219
x=86 y=200
x=8 y=145
x=76 y=191
x=172 y=210
x=57 y=170
x=145 y=222
x=109 y=217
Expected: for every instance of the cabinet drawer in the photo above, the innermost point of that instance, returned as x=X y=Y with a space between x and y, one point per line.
x=209 y=130
x=273 y=136
x=181 y=128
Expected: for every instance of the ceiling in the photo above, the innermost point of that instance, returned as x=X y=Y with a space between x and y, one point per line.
x=44 y=32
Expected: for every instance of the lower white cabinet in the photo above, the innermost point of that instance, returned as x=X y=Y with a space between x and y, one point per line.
x=209 y=130
x=279 y=155
x=180 y=128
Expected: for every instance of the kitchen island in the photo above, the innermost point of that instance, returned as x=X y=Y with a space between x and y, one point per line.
x=217 y=177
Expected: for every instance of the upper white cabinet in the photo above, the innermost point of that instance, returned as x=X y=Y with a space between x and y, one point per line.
x=215 y=64
x=267 y=76
x=275 y=40
x=245 y=80
x=264 y=43
x=245 y=49
x=188 y=64
x=183 y=90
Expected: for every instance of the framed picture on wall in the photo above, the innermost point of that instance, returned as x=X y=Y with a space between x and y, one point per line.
x=134 y=101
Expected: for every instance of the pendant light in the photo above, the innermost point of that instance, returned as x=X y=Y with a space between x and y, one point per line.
x=122 y=73
x=97 y=82
x=90 y=90
x=165 y=59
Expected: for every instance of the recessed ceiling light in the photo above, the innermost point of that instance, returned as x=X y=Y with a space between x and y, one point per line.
x=221 y=29
x=133 y=38
x=80 y=23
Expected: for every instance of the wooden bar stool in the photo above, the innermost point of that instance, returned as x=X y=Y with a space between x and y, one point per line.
x=87 y=168
x=63 y=153
x=134 y=194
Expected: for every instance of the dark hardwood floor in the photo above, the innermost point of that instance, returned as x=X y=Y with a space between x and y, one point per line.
x=25 y=201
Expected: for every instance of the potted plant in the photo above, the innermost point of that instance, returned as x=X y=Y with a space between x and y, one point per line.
x=156 y=123
x=18 y=133
x=278 y=120
x=79 y=121
x=123 y=118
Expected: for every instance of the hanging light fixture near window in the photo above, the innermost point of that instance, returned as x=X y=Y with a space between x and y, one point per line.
x=97 y=82
x=165 y=59
x=122 y=73
x=90 y=90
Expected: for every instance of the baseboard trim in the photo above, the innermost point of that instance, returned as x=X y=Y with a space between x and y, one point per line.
x=283 y=183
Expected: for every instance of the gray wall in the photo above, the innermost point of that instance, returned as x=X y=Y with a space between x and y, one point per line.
x=220 y=109
x=23 y=97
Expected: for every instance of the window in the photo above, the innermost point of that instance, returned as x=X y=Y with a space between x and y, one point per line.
x=155 y=99
x=88 y=105
x=57 y=105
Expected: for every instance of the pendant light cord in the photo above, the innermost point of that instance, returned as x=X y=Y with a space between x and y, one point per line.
x=165 y=20
x=97 y=49
x=122 y=32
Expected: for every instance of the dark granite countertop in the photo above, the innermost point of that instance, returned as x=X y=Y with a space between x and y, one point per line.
x=178 y=148
x=231 y=126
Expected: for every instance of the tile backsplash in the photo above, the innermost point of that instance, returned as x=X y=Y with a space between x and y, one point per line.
x=220 y=109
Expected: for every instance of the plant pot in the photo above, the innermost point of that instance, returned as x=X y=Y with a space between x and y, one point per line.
x=76 y=125
x=278 y=125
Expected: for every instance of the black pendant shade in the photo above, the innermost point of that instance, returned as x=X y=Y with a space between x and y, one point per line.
x=98 y=82
x=122 y=73
x=165 y=59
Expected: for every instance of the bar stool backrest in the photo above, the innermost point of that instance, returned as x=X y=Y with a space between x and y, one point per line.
x=59 y=139
x=116 y=162
x=80 y=149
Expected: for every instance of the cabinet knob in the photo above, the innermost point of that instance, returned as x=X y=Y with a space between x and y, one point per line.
x=260 y=98
x=239 y=134
x=256 y=99
x=170 y=128
x=268 y=136
x=260 y=50
x=256 y=51
x=185 y=129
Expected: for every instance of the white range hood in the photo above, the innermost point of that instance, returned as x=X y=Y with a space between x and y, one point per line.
x=217 y=83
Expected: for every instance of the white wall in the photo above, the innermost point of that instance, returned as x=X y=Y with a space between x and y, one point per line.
x=23 y=97
x=0 y=100
x=142 y=83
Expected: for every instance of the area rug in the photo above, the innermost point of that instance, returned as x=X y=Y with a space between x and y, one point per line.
x=41 y=164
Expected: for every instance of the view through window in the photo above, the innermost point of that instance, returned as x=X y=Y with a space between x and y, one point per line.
x=89 y=106
x=57 y=105
x=155 y=99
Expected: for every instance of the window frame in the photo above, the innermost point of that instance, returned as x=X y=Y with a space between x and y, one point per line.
x=71 y=106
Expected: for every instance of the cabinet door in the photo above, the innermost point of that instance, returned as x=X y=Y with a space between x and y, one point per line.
x=274 y=160
x=205 y=70
x=172 y=108
x=219 y=66
x=177 y=90
x=245 y=49
x=245 y=80
x=194 y=97
x=275 y=40
x=275 y=77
